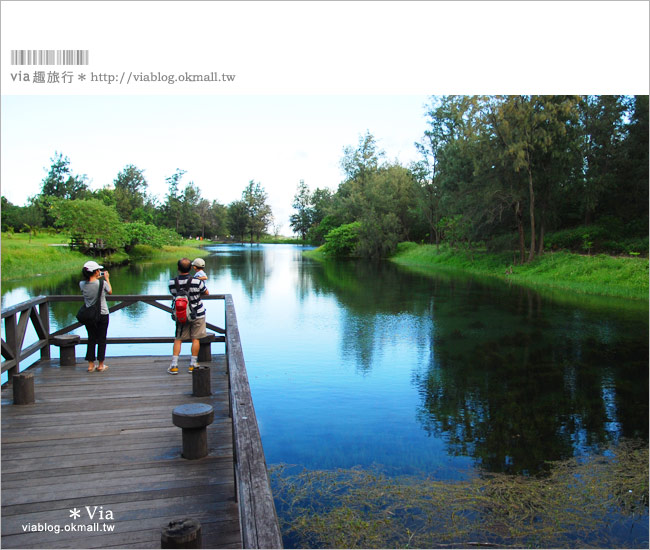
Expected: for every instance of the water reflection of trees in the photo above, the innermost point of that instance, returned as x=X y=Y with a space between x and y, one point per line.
x=374 y=299
x=137 y=278
x=149 y=278
x=249 y=266
x=512 y=380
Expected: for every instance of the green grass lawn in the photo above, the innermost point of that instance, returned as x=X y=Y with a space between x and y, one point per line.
x=40 y=255
x=45 y=254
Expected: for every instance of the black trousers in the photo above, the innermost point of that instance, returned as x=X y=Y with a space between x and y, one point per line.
x=97 y=337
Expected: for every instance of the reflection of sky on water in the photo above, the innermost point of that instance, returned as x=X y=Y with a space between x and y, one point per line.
x=358 y=364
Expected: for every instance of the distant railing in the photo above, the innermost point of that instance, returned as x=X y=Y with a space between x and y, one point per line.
x=257 y=514
x=36 y=310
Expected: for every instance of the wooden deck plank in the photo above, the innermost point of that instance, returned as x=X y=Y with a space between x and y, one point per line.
x=110 y=444
x=107 y=440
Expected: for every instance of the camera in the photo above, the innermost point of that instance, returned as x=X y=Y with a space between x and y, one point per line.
x=101 y=273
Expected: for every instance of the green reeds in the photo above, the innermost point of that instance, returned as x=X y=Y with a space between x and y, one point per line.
x=581 y=503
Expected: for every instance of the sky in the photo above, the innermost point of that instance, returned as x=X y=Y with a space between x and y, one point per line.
x=312 y=77
x=222 y=142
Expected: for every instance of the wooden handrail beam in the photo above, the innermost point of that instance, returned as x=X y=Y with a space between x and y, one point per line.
x=257 y=515
x=145 y=340
x=12 y=310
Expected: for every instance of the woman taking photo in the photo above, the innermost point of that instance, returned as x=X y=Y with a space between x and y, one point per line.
x=96 y=330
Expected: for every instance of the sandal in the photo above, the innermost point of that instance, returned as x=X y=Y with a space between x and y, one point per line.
x=102 y=369
x=92 y=370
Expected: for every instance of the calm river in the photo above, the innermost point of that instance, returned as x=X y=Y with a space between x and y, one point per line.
x=353 y=364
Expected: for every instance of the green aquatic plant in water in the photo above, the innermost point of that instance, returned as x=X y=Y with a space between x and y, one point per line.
x=595 y=502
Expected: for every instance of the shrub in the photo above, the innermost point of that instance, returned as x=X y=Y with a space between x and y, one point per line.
x=343 y=240
x=378 y=235
x=140 y=233
x=502 y=243
x=596 y=238
x=405 y=246
x=578 y=239
x=613 y=226
x=141 y=252
x=316 y=235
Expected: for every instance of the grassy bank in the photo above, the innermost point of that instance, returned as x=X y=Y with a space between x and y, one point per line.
x=45 y=254
x=281 y=240
x=598 y=275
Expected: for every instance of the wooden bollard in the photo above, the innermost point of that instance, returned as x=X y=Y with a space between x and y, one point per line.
x=205 y=349
x=181 y=533
x=67 y=343
x=23 y=388
x=201 y=386
x=193 y=419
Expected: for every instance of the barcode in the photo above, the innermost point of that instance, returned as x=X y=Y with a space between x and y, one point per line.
x=49 y=57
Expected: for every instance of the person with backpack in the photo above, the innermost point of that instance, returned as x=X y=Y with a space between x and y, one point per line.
x=188 y=312
x=91 y=287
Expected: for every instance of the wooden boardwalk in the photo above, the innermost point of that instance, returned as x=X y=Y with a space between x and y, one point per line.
x=104 y=444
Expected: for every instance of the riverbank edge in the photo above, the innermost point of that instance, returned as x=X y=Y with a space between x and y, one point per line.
x=46 y=256
x=606 y=276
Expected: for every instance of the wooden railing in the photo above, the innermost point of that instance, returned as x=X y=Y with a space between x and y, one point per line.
x=36 y=310
x=257 y=514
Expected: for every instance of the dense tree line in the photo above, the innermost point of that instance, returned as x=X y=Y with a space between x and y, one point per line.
x=523 y=173
x=125 y=213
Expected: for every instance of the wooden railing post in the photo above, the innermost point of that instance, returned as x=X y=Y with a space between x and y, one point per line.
x=12 y=344
x=44 y=314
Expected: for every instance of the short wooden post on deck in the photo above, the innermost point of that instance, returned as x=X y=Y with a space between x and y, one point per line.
x=193 y=419
x=66 y=343
x=23 y=388
x=201 y=386
x=205 y=350
x=181 y=533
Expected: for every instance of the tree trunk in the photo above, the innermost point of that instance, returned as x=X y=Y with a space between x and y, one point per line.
x=540 y=248
x=520 y=229
x=531 y=192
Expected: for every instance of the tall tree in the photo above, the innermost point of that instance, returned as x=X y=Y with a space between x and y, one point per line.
x=359 y=163
x=445 y=173
x=217 y=219
x=130 y=192
x=61 y=183
x=203 y=211
x=321 y=203
x=603 y=131
x=302 y=220
x=238 y=219
x=190 y=218
x=259 y=212
x=629 y=199
x=440 y=132
x=528 y=127
x=173 y=206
